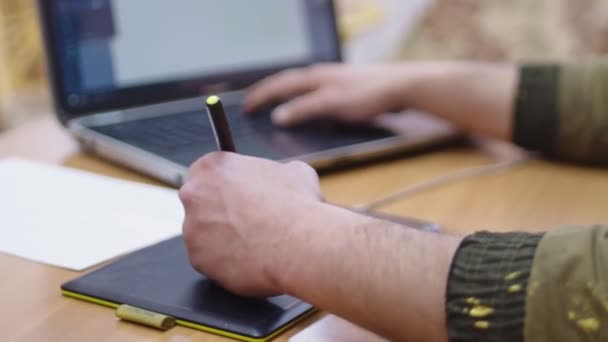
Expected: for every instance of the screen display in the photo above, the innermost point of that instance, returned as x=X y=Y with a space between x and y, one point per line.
x=113 y=53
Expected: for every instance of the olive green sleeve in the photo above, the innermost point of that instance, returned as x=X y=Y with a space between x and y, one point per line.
x=567 y=297
x=562 y=111
x=548 y=287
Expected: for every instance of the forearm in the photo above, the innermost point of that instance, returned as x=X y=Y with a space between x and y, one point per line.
x=382 y=276
x=559 y=110
x=477 y=97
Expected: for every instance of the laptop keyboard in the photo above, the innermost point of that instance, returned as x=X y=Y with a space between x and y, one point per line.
x=184 y=137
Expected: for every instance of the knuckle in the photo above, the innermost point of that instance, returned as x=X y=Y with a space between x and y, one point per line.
x=210 y=162
x=303 y=167
x=287 y=76
x=323 y=70
x=317 y=70
x=211 y=159
x=328 y=97
x=291 y=74
x=198 y=166
x=186 y=194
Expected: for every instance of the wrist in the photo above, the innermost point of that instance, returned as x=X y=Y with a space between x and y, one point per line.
x=309 y=232
x=424 y=80
x=476 y=97
x=297 y=217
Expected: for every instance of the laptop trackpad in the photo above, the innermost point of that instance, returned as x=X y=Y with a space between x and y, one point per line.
x=311 y=137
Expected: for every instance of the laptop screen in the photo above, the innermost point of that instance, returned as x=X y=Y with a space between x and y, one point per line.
x=109 y=54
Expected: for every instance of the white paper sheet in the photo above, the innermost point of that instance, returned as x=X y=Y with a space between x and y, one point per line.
x=75 y=219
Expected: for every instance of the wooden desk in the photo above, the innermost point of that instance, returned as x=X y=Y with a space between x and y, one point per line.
x=535 y=196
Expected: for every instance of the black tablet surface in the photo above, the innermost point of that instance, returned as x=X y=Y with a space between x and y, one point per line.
x=160 y=279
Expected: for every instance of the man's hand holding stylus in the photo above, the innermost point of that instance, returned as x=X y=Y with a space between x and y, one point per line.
x=260 y=228
x=240 y=213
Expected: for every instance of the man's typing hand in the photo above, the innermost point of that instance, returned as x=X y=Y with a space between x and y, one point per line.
x=343 y=92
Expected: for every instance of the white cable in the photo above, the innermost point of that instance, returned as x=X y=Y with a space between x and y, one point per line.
x=439 y=181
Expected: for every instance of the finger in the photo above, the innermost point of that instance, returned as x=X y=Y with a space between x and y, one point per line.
x=281 y=87
x=317 y=104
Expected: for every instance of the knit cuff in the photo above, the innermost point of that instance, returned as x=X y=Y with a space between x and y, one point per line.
x=536 y=111
x=486 y=292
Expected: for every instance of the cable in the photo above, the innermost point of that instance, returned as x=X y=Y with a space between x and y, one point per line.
x=439 y=181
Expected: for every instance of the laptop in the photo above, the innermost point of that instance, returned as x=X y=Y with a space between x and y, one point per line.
x=129 y=79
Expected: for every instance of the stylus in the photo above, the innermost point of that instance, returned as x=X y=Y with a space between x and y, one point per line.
x=219 y=123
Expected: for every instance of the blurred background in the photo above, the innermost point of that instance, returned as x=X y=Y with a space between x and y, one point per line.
x=372 y=30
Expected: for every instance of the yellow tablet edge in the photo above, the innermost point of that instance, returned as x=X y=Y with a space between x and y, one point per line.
x=195 y=325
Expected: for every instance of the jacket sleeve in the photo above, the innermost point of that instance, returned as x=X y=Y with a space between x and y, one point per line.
x=567 y=297
x=549 y=287
x=562 y=111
